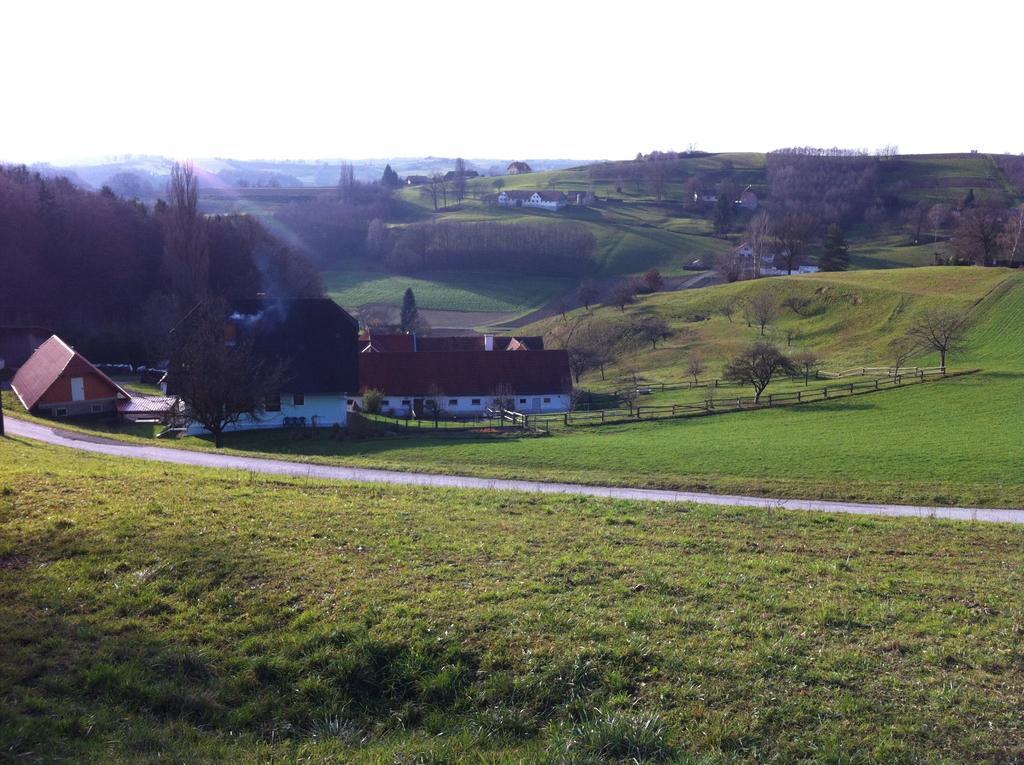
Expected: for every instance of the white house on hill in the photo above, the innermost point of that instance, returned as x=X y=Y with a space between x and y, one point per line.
x=546 y=200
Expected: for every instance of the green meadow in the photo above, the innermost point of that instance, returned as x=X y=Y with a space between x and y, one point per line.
x=154 y=613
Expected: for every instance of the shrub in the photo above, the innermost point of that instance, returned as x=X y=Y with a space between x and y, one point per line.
x=616 y=736
x=372 y=401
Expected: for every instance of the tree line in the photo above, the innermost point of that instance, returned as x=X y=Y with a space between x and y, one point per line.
x=112 y=276
x=554 y=250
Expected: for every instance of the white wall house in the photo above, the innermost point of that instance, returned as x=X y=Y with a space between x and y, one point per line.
x=545 y=200
x=315 y=340
x=320 y=410
x=468 y=406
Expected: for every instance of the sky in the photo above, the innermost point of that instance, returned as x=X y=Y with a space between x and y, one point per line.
x=559 y=79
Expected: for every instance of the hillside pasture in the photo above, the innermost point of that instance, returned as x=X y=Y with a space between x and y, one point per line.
x=156 y=612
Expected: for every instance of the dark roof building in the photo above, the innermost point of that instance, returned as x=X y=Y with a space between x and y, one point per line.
x=518 y=168
x=465 y=373
x=379 y=342
x=316 y=337
x=59 y=381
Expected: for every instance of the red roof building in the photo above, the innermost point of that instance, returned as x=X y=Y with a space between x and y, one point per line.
x=60 y=382
x=467 y=373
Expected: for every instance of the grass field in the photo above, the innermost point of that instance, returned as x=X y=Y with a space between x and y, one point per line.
x=451 y=291
x=158 y=613
x=951 y=442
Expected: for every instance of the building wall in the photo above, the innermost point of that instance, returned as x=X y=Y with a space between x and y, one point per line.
x=328 y=409
x=400 y=406
x=89 y=407
x=60 y=392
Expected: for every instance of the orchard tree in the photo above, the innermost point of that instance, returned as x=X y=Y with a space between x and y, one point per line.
x=761 y=310
x=652 y=280
x=695 y=365
x=757 y=366
x=587 y=293
x=808 y=362
x=653 y=329
x=943 y=330
x=792 y=232
x=978 y=236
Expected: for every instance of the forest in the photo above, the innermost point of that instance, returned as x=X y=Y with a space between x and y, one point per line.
x=112 y=276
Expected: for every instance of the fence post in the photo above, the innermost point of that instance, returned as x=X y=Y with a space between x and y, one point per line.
x=798 y=397
x=851 y=387
x=769 y=399
x=826 y=392
x=566 y=417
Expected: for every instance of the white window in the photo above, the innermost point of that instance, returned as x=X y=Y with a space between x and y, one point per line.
x=60 y=412
x=298 y=399
x=476 y=401
x=522 y=401
x=547 y=401
x=453 y=402
x=97 y=408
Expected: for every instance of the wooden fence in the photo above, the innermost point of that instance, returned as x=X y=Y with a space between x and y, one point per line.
x=545 y=422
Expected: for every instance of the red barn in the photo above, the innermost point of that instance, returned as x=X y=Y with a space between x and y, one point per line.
x=60 y=382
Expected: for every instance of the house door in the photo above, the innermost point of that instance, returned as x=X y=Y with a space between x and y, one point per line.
x=417 y=407
x=536 y=404
x=78 y=389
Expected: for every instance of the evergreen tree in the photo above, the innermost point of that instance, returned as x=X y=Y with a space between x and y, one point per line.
x=725 y=212
x=410 y=313
x=969 y=199
x=836 y=257
x=390 y=178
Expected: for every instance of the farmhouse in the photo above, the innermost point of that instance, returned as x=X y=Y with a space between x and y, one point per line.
x=547 y=200
x=748 y=199
x=416 y=180
x=379 y=342
x=466 y=382
x=57 y=381
x=318 y=343
x=518 y=168
x=768 y=266
x=452 y=175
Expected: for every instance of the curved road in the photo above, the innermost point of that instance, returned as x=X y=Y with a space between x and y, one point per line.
x=82 y=442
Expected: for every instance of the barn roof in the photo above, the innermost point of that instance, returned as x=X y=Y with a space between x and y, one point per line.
x=316 y=337
x=465 y=373
x=50 y=361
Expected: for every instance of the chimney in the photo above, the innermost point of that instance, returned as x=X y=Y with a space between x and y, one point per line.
x=488 y=342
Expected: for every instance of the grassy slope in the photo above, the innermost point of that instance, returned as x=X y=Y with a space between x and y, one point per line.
x=157 y=613
x=957 y=441
x=460 y=291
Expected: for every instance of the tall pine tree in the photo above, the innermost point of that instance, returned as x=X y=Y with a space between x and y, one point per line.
x=390 y=177
x=835 y=257
x=410 y=313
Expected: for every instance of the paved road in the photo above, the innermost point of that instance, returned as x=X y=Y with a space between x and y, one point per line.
x=31 y=430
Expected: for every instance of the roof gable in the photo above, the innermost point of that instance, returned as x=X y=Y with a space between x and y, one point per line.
x=52 y=360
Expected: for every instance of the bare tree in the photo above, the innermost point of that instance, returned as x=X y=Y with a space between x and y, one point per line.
x=730 y=265
x=808 y=362
x=459 y=181
x=798 y=304
x=652 y=280
x=185 y=239
x=435 y=188
x=760 y=240
x=346 y=182
x=695 y=365
x=378 y=317
x=901 y=349
x=652 y=329
x=761 y=310
x=977 y=237
x=623 y=294
x=586 y=293
x=1012 y=239
x=938 y=217
x=758 y=365
x=219 y=383
x=792 y=232
x=940 y=329
x=728 y=310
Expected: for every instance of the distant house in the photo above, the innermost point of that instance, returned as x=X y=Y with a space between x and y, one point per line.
x=466 y=382
x=18 y=343
x=451 y=174
x=57 y=381
x=768 y=265
x=748 y=199
x=318 y=342
x=518 y=168
x=546 y=200
x=705 y=197
x=380 y=342
x=416 y=180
